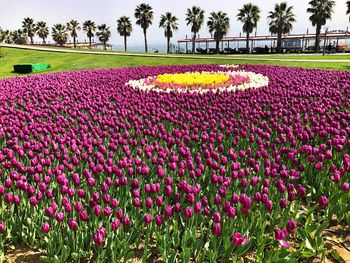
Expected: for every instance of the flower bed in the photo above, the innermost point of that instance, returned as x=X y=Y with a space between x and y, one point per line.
x=94 y=168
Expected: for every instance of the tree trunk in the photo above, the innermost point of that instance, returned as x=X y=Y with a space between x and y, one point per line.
x=247 y=43
x=104 y=45
x=317 y=40
x=279 y=42
x=217 y=45
x=90 y=41
x=145 y=37
x=31 y=40
x=194 y=42
x=44 y=42
x=168 y=45
x=125 y=43
x=75 y=42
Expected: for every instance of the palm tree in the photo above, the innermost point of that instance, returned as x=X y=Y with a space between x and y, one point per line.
x=281 y=20
x=103 y=34
x=29 y=28
x=7 y=37
x=321 y=11
x=195 y=18
x=42 y=30
x=348 y=8
x=144 y=17
x=59 y=34
x=249 y=15
x=124 y=28
x=219 y=24
x=89 y=27
x=168 y=22
x=73 y=27
x=19 y=37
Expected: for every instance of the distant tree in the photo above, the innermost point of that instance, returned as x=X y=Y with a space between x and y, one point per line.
x=281 y=19
x=89 y=27
x=124 y=28
x=7 y=37
x=59 y=34
x=103 y=34
x=321 y=11
x=169 y=22
x=19 y=37
x=144 y=17
x=1 y=35
x=219 y=24
x=348 y=8
x=29 y=28
x=73 y=27
x=249 y=15
x=195 y=18
x=42 y=30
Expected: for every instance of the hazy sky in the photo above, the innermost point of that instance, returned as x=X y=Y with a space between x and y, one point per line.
x=12 y=13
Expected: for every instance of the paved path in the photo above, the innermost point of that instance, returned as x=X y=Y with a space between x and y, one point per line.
x=226 y=57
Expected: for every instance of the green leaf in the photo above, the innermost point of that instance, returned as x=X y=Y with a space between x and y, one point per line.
x=307 y=253
x=319 y=243
x=321 y=228
x=308 y=245
x=172 y=257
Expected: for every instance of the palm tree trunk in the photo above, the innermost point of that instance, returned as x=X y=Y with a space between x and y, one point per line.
x=90 y=41
x=145 y=37
x=31 y=40
x=317 y=40
x=217 y=45
x=125 y=43
x=168 y=45
x=279 y=42
x=104 y=45
x=75 y=42
x=44 y=42
x=247 y=43
x=194 y=41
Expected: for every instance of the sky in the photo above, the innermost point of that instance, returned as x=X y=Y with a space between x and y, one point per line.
x=108 y=11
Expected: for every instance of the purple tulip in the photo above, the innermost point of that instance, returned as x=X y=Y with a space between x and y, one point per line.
x=147 y=219
x=115 y=224
x=291 y=226
x=323 y=201
x=45 y=228
x=59 y=217
x=217 y=229
x=73 y=224
x=158 y=220
x=237 y=239
x=2 y=226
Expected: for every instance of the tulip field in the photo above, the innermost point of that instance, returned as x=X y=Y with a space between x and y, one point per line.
x=195 y=163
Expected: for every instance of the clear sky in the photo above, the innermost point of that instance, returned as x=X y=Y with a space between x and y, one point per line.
x=12 y=13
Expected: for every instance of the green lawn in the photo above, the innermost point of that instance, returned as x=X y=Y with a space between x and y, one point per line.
x=68 y=61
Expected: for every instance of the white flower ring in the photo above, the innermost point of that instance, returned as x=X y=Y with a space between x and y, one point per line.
x=255 y=81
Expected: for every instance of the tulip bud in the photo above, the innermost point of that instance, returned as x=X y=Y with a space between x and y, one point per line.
x=323 y=201
x=147 y=219
x=2 y=226
x=217 y=229
x=291 y=226
x=159 y=220
x=45 y=227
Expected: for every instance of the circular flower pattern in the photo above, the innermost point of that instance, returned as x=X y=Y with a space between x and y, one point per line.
x=201 y=82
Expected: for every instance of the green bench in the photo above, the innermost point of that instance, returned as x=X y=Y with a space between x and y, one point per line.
x=28 y=68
